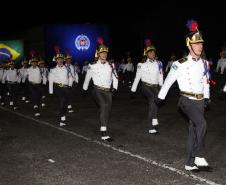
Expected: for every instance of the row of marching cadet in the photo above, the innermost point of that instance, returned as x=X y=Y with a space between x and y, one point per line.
x=192 y=73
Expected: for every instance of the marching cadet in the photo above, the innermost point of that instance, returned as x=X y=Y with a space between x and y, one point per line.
x=44 y=74
x=103 y=74
x=35 y=79
x=85 y=67
x=191 y=74
x=2 y=86
x=4 y=58
x=221 y=63
x=151 y=74
x=74 y=76
x=11 y=76
x=59 y=81
x=77 y=68
x=128 y=71
x=24 y=81
x=172 y=60
x=120 y=71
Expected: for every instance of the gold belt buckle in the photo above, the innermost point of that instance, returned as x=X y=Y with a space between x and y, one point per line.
x=60 y=85
x=199 y=96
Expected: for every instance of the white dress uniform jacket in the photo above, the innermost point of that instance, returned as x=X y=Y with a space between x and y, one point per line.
x=59 y=75
x=11 y=75
x=1 y=74
x=190 y=75
x=149 y=72
x=23 y=73
x=102 y=75
x=72 y=72
x=34 y=75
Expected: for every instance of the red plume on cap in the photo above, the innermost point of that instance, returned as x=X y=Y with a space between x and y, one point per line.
x=147 y=42
x=32 y=53
x=100 y=40
x=56 y=49
x=192 y=25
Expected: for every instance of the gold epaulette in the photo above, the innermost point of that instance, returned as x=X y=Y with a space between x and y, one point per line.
x=182 y=60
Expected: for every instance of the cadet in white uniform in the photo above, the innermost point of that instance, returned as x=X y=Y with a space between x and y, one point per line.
x=35 y=80
x=59 y=82
x=2 y=86
x=191 y=74
x=12 y=77
x=103 y=74
x=151 y=75
x=221 y=63
x=84 y=68
x=120 y=71
x=170 y=63
x=74 y=76
x=128 y=71
x=44 y=74
x=24 y=84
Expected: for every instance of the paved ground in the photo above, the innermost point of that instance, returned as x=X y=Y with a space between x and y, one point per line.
x=28 y=144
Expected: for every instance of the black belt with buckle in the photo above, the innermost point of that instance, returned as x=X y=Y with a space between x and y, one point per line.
x=102 y=88
x=198 y=96
x=10 y=82
x=61 y=85
x=150 y=85
x=35 y=83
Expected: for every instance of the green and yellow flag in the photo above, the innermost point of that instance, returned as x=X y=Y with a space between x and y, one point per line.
x=13 y=49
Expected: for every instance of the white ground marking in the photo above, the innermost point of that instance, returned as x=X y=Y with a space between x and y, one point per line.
x=159 y=164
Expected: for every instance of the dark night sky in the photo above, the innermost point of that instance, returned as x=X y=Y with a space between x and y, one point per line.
x=163 y=22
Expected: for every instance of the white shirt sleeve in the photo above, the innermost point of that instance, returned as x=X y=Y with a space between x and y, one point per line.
x=51 y=82
x=88 y=77
x=44 y=76
x=170 y=79
x=206 y=85
x=4 y=76
x=224 y=89
x=160 y=79
x=114 y=78
x=75 y=75
x=206 y=91
x=19 y=76
x=137 y=78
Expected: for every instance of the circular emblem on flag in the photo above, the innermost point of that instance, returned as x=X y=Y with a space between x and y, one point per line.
x=4 y=54
x=82 y=42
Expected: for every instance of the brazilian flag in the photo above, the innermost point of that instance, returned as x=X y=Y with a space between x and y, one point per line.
x=11 y=48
